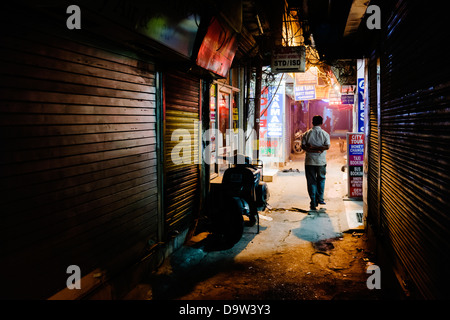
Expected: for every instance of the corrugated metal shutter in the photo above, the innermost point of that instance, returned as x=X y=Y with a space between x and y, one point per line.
x=373 y=215
x=415 y=143
x=182 y=175
x=78 y=175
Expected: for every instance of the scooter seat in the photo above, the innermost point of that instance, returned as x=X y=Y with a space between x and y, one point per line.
x=239 y=181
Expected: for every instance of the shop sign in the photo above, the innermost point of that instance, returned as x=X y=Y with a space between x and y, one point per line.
x=355 y=163
x=212 y=104
x=348 y=89
x=268 y=147
x=218 y=48
x=212 y=107
x=235 y=117
x=307 y=78
x=360 y=112
x=178 y=35
x=347 y=99
x=303 y=93
x=348 y=94
x=275 y=112
x=288 y=59
x=322 y=92
x=334 y=97
x=263 y=115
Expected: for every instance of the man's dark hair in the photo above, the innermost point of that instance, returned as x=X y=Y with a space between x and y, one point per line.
x=317 y=120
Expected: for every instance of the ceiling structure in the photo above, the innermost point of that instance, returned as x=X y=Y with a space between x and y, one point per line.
x=337 y=26
x=335 y=29
x=261 y=29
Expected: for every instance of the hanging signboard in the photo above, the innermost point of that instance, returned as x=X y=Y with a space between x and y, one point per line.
x=347 y=99
x=348 y=89
x=322 y=92
x=360 y=105
x=355 y=163
x=218 y=48
x=307 y=78
x=334 y=97
x=348 y=94
x=176 y=34
x=303 y=93
x=288 y=59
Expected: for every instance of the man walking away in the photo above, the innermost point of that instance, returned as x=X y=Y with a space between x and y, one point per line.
x=315 y=142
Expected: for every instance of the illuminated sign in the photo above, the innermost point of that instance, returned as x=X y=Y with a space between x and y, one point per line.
x=303 y=93
x=322 y=92
x=355 y=163
x=348 y=89
x=360 y=112
x=347 y=99
x=307 y=78
x=218 y=48
x=334 y=97
x=348 y=94
x=275 y=112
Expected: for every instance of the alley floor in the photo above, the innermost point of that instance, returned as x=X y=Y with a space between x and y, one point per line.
x=297 y=255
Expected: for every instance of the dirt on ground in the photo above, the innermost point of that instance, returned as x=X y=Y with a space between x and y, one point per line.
x=296 y=255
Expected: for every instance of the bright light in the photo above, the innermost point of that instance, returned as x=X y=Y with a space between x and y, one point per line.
x=291 y=29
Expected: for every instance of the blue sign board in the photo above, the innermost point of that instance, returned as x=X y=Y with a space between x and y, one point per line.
x=348 y=99
x=361 y=105
x=305 y=93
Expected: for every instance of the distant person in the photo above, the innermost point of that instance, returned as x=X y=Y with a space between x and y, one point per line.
x=315 y=142
x=302 y=126
x=327 y=125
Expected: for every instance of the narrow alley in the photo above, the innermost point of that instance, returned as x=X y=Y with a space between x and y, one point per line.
x=298 y=254
x=140 y=140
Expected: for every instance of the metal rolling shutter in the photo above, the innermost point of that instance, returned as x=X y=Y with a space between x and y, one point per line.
x=78 y=173
x=181 y=181
x=415 y=144
x=373 y=215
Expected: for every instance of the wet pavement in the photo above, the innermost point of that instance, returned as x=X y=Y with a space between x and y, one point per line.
x=297 y=254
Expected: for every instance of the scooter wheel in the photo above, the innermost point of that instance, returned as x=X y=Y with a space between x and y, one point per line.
x=298 y=147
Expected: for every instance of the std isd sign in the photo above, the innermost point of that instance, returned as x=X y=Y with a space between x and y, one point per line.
x=355 y=163
x=288 y=59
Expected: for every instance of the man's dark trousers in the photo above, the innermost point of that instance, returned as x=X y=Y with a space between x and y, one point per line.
x=315 y=178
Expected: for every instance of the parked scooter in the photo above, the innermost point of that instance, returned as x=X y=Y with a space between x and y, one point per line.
x=297 y=144
x=241 y=193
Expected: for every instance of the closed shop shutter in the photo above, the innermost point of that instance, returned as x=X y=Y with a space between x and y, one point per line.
x=78 y=162
x=415 y=143
x=181 y=157
x=373 y=215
